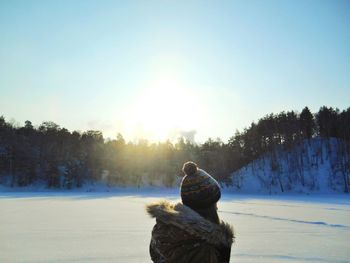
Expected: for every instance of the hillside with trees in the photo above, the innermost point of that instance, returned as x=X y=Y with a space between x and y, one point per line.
x=284 y=147
x=317 y=165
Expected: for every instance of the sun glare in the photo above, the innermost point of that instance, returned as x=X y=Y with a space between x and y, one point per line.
x=163 y=108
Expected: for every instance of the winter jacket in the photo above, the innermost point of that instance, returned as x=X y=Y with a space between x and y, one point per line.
x=181 y=235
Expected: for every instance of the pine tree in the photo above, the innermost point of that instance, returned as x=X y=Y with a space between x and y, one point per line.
x=307 y=123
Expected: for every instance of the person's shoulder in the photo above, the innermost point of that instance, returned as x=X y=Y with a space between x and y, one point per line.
x=227 y=233
x=160 y=209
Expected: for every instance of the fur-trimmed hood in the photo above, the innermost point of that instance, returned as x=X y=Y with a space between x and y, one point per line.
x=192 y=223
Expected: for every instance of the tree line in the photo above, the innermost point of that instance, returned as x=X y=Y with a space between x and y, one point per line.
x=62 y=159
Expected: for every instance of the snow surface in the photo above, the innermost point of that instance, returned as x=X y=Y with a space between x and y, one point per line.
x=113 y=227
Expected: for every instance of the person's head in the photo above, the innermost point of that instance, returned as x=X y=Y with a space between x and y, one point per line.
x=200 y=191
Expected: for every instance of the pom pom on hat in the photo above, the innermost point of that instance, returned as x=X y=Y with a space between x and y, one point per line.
x=190 y=168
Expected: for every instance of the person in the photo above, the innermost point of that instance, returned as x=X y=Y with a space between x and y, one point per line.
x=191 y=231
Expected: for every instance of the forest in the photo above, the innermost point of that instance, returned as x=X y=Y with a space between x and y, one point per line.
x=58 y=158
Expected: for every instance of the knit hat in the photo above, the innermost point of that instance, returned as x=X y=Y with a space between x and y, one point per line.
x=198 y=189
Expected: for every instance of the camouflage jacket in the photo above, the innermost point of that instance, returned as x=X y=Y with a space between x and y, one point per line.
x=182 y=236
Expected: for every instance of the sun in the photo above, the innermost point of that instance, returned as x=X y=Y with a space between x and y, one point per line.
x=164 y=107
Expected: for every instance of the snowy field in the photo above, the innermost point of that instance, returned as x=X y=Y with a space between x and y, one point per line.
x=106 y=227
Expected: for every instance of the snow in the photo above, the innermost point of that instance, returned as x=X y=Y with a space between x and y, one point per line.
x=113 y=227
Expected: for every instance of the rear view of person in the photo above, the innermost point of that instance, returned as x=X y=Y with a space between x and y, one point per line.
x=191 y=231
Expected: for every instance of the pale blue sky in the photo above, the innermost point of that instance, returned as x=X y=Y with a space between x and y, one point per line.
x=146 y=68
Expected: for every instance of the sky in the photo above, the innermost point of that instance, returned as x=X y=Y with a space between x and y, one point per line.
x=159 y=69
